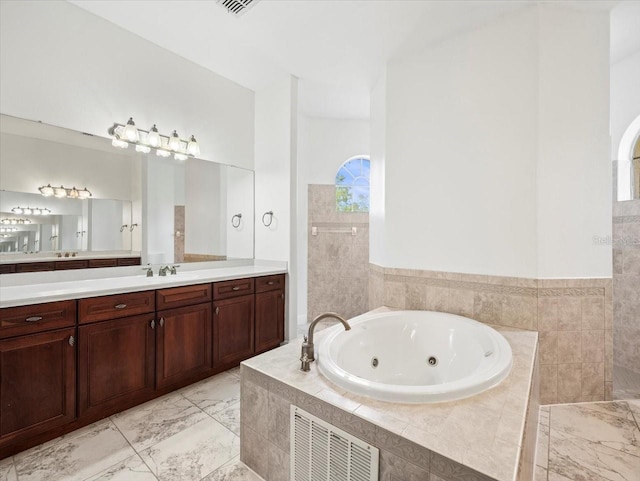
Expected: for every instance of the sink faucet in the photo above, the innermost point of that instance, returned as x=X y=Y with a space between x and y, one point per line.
x=307 y=355
x=163 y=270
x=172 y=269
x=149 y=270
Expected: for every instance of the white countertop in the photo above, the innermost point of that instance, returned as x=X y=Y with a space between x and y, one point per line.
x=24 y=258
x=38 y=293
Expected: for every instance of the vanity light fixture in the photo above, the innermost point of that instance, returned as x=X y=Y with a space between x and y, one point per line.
x=61 y=193
x=15 y=221
x=144 y=141
x=30 y=211
x=8 y=229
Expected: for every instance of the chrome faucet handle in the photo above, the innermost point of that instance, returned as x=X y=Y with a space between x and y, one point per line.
x=305 y=363
x=149 y=270
x=172 y=269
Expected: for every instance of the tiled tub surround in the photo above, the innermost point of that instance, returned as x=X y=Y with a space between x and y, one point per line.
x=572 y=316
x=589 y=441
x=338 y=263
x=480 y=438
x=626 y=300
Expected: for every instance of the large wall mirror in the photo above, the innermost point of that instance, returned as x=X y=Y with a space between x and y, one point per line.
x=166 y=210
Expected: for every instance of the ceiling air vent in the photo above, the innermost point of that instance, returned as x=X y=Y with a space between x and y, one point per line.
x=237 y=7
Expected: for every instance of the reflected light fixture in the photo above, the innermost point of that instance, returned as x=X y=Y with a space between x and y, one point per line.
x=61 y=193
x=8 y=229
x=31 y=210
x=144 y=141
x=15 y=221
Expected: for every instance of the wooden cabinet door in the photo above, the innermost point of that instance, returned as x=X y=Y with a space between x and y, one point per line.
x=233 y=330
x=183 y=338
x=38 y=382
x=269 y=320
x=116 y=364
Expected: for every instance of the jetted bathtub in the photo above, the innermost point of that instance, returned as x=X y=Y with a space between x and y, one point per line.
x=414 y=356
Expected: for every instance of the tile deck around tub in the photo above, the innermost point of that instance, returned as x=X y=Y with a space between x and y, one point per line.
x=589 y=441
x=484 y=432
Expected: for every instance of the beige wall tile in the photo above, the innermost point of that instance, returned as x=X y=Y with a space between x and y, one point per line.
x=593 y=346
x=548 y=347
x=593 y=313
x=548 y=384
x=437 y=298
x=547 y=314
x=416 y=296
x=569 y=346
x=487 y=307
x=394 y=468
x=592 y=380
x=461 y=302
x=253 y=451
x=569 y=314
x=520 y=312
x=569 y=382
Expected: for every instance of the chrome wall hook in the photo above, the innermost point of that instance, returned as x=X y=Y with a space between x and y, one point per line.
x=133 y=226
x=234 y=223
x=270 y=214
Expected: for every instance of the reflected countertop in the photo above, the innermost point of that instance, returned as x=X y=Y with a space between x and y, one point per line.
x=81 y=255
x=16 y=290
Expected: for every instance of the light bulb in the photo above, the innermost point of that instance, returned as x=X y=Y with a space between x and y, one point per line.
x=45 y=211
x=13 y=221
x=27 y=211
x=163 y=153
x=130 y=131
x=36 y=211
x=145 y=149
x=179 y=156
x=153 y=139
x=174 y=142
x=121 y=144
x=60 y=192
x=25 y=221
x=17 y=210
x=193 y=148
x=46 y=190
x=83 y=194
x=73 y=193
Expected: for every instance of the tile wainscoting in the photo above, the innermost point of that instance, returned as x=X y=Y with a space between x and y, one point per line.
x=574 y=319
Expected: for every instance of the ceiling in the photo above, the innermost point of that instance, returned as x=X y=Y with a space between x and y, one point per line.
x=337 y=48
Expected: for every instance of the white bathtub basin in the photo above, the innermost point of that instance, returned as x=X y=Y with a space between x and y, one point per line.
x=467 y=357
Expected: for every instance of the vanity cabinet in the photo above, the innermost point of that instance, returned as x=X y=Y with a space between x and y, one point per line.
x=116 y=367
x=233 y=330
x=38 y=384
x=183 y=337
x=269 y=312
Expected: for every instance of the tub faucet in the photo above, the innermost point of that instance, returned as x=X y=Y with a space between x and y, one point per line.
x=308 y=355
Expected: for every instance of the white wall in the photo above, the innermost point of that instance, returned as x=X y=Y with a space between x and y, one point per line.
x=105 y=217
x=461 y=152
x=239 y=201
x=574 y=168
x=377 y=207
x=158 y=210
x=275 y=167
x=496 y=150
x=323 y=145
x=67 y=67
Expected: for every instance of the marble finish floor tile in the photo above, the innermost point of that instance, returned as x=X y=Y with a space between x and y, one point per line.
x=131 y=469
x=8 y=470
x=154 y=421
x=214 y=394
x=76 y=456
x=234 y=470
x=589 y=442
x=229 y=418
x=193 y=453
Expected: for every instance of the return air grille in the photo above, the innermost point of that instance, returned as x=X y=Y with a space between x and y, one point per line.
x=322 y=452
x=237 y=7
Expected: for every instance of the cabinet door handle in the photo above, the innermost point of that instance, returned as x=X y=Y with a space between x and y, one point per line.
x=33 y=319
x=72 y=340
x=162 y=322
x=217 y=311
x=282 y=296
x=153 y=324
x=120 y=306
x=235 y=288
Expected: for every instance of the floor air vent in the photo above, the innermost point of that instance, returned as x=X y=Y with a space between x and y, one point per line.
x=237 y=7
x=322 y=452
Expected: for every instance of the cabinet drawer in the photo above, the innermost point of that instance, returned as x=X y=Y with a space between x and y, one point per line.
x=35 y=266
x=183 y=296
x=15 y=321
x=103 y=262
x=227 y=289
x=269 y=283
x=129 y=261
x=66 y=265
x=112 y=307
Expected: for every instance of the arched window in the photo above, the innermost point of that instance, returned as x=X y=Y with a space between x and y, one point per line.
x=352 y=185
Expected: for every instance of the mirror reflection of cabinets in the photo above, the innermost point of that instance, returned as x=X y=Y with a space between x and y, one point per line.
x=162 y=209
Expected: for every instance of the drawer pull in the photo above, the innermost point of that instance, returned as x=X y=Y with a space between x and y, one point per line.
x=119 y=306
x=72 y=340
x=33 y=319
x=162 y=322
x=153 y=324
x=270 y=283
x=235 y=288
x=217 y=311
